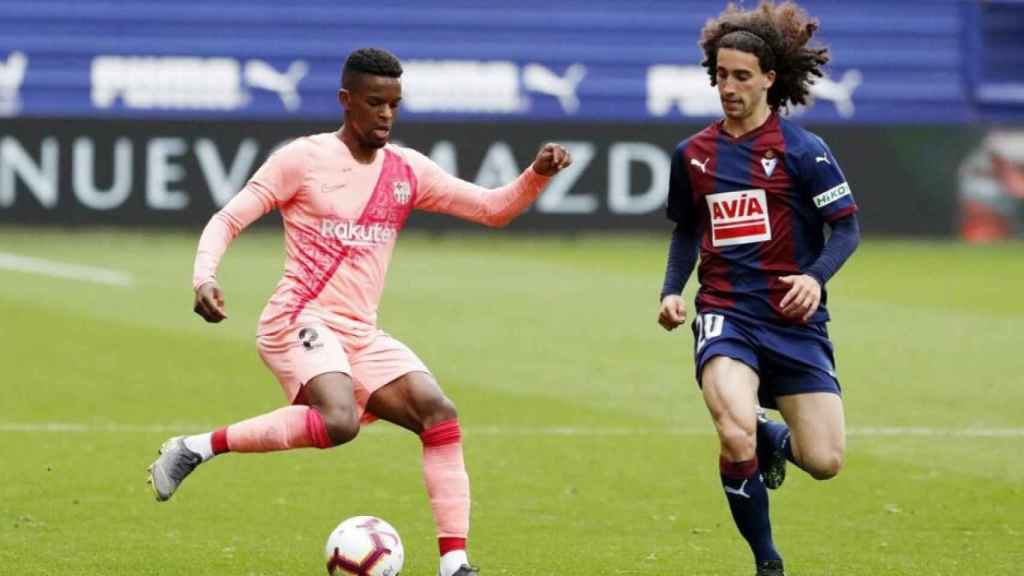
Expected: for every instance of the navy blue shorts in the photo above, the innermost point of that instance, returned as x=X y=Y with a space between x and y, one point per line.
x=789 y=359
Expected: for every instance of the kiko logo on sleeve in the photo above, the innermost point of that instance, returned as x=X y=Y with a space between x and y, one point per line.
x=739 y=217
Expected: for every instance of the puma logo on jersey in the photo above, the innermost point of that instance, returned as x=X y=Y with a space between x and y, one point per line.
x=822 y=159
x=702 y=165
x=739 y=217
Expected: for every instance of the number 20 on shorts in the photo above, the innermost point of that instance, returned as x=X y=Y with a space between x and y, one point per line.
x=708 y=326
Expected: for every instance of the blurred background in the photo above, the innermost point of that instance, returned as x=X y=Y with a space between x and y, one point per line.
x=154 y=113
x=124 y=125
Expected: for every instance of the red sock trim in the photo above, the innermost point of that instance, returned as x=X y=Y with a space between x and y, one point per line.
x=317 y=429
x=446 y=544
x=447 y=432
x=737 y=470
x=219 y=440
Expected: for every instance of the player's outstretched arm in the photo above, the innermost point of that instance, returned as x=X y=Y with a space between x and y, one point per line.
x=442 y=192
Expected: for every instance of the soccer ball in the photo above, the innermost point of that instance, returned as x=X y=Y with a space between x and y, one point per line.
x=365 y=546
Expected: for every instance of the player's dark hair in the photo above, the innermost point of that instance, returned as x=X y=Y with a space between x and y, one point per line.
x=373 y=61
x=778 y=36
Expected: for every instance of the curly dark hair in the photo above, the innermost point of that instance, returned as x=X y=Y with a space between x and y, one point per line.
x=778 y=36
x=374 y=61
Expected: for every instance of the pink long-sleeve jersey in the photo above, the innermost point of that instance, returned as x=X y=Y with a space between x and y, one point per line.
x=341 y=221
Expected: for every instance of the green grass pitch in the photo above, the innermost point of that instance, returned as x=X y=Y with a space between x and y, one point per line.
x=589 y=448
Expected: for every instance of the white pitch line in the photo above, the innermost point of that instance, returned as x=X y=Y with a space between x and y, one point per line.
x=79 y=428
x=927 y=431
x=31 y=265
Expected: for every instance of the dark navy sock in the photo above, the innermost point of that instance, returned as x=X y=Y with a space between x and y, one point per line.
x=748 y=501
x=777 y=436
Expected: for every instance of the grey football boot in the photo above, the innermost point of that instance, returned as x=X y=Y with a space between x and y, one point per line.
x=467 y=570
x=176 y=462
x=771 y=461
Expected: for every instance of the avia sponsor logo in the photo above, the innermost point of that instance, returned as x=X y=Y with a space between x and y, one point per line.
x=356 y=234
x=188 y=83
x=689 y=89
x=739 y=217
x=12 y=74
x=831 y=195
x=486 y=86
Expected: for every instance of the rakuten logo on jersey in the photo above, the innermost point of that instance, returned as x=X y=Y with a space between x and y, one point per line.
x=739 y=217
x=356 y=234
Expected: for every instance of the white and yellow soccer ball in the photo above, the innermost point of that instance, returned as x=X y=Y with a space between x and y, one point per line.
x=364 y=546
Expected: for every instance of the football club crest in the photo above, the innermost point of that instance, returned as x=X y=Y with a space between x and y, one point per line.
x=768 y=163
x=402 y=192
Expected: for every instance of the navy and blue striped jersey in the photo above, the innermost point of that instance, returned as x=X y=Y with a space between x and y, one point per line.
x=758 y=204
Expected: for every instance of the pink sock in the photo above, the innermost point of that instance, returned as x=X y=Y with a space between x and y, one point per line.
x=283 y=429
x=444 y=473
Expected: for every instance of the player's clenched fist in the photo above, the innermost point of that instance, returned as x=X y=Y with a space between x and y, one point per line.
x=672 y=312
x=551 y=159
x=210 y=302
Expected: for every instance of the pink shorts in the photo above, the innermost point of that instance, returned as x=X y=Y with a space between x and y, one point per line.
x=301 y=352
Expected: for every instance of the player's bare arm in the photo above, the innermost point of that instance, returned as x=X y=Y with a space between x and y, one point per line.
x=551 y=159
x=803 y=297
x=209 y=302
